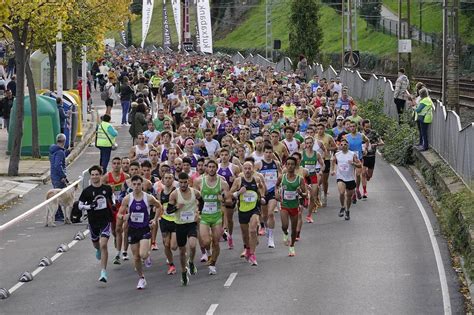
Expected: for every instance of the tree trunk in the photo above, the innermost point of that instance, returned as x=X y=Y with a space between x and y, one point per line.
x=75 y=67
x=35 y=149
x=52 y=67
x=19 y=37
x=65 y=87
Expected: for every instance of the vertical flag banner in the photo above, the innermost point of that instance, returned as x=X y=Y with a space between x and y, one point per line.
x=204 y=25
x=123 y=34
x=147 y=11
x=177 y=18
x=166 y=27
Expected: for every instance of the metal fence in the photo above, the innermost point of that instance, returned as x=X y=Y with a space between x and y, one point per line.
x=453 y=143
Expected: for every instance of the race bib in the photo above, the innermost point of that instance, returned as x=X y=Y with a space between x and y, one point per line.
x=311 y=168
x=344 y=167
x=255 y=130
x=271 y=176
x=209 y=208
x=210 y=114
x=101 y=203
x=250 y=196
x=137 y=217
x=289 y=195
x=187 y=216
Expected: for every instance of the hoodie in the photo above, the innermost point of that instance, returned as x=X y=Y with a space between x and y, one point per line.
x=57 y=159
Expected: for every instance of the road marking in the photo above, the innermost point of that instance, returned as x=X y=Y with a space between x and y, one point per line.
x=39 y=269
x=434 y=244
x=212 y=309
x=231 y=279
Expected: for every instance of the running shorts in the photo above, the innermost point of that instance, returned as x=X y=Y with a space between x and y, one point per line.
x=313 y=179
x=291 y=211
x=184 y=231
x=369 y=162
x=100 y=230
x=349 y=184
x=211 y=219
x=327 y=166
x=244 y=217
x=269 y=196
x=167 y=226
x=135 y=235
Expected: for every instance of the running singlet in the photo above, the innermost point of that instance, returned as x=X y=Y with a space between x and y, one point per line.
x=116 y=185
x=164 y=153
x=226 y=173
x=355 y=143
x=249 y=199
x=164 y=199
x=187 y=213
x=310 y=163
x=210 y=195
x=270 y=174
x=254 y=129
x=291 y=146
x=142 y=155
x=139 y=212
x=290 y=196
x=345 y=171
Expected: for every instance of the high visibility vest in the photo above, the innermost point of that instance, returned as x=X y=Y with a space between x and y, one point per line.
x=155 y=81
x=427 y=111
x=102 y=140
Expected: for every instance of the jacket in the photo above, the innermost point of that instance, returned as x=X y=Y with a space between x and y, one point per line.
x=401 y=86
x=6 y=107
x=139 y=124
x=62 y=116
x=57 y=160
x=425 y=110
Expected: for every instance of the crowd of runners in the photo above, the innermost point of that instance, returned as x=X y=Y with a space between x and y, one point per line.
x=220 y=143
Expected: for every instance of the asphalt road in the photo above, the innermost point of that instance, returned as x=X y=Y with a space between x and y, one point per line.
x=381 y=261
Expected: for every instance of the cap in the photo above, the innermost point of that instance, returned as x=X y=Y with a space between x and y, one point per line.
x=339 y=117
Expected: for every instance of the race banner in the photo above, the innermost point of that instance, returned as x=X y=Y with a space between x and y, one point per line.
x=166 y=27
x=198 y=47
x=204 y=25
x=177 y=18
x=147 y=11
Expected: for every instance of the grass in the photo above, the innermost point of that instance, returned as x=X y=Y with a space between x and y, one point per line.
x=251 y=33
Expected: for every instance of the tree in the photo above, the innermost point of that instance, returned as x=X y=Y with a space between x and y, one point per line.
x=306 y=35
x=370 y=11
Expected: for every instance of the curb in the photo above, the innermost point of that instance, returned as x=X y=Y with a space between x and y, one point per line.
x=9 y=199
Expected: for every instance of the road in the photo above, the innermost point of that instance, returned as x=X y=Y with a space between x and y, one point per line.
x=381 y=261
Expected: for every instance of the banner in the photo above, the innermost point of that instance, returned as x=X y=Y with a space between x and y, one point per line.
x=123 y=34
x=147 y=11
x=177 y=18
x=166 y=27
x=204 y=25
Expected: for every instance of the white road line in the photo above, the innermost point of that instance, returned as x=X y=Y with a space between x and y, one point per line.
x=39 y=269
x=231 y=279
x=434 y=244
x=212 y=309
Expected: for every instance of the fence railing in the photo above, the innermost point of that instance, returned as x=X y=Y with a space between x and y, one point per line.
x=453 y=143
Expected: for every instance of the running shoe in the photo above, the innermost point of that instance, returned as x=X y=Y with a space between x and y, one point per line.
x=192 y=269
x=242 y=255
x=261 y=231
x=148 y=262
x=212 y=270
x=271 y=241
x=341 y=212
x=285 y=240
x=358 y=194
x=204 y=257
x=324 y=200
x=154 y=246
x=125 y=256
x=98 y=254
x=291 y=252
x=184 y=278
x=171 y=270
x=354 y=198
x=309 y=219
x=224 y=236
x=230 y=241
x=347 y=216
x=141 y=284
x=253 y=260
x=365 y=195
x=103 y=276
x=298 y=236
x=247 y=254
x=117 y=260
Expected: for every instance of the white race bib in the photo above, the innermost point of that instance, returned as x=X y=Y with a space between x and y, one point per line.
x=209 y=208
x=187 y=216
x=255 y=130
x=311 y=168
x=210 y=114
x=344 y=167
x=137 y=217
x=250 y=196
x=289 y=195
x=101 y=203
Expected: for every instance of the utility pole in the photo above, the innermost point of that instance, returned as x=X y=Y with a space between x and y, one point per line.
x=342 y=32
x=186 y=34
x=409 y=36
x=349 y=10
x=421 y=20
x=451 y=47
x=399 y=29
x=404 y=34
x=268 y=30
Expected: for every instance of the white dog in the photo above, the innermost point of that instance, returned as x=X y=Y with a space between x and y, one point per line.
x=66 y=202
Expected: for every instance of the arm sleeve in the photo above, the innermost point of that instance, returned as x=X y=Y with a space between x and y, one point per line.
x=111 y=130
x=58 y=158
x=420 y=108
x=83 y=206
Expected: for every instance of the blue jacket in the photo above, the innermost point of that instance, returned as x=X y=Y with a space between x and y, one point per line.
x=57 y=159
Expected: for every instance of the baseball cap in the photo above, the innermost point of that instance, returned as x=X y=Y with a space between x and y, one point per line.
x=339 y=117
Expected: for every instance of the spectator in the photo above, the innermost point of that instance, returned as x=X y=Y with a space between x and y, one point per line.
x=6 y=105
x=139 y=124
x=88 y=93
x=424 y=117
x=126 y=94
x=11 y=66
x=57 y=160
x=400 y=94
x=12 y=85
x=109 y=102
x=62 y=114
x=105 y=141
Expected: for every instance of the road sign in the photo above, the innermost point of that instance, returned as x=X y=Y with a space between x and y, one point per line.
x=352 y=59
x=188 y=46
x=404 y=45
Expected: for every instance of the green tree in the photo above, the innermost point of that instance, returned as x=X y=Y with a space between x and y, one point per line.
x=370 y=11
x=306 y=35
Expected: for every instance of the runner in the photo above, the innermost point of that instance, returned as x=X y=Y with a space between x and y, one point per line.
x=140 y=151
x=329 y=146
x=355 y=140
x=184 y=201
x=136 y=209
x=97 y=200
x=375 y=141
x=213 y=189
x=343 y=164
x=292 y=187
x=271 y=171
x=250 y=191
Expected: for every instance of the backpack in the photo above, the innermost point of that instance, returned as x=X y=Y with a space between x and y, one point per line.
x=104 y=95
x=76 y=214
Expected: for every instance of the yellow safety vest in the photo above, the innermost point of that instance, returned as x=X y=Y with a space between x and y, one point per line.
x=427 y=111
x=102 y=140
